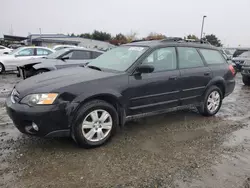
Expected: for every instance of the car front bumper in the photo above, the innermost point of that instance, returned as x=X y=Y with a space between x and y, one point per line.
x=50 y=120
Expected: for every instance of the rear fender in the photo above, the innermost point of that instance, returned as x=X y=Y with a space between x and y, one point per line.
x=217 y=81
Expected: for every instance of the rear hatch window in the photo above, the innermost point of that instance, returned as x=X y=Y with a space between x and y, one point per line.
x=241 y=53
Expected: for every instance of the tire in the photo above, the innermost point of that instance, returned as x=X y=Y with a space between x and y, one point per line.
x=41 y=71
x=2 y=68
x=211 y=104
x=90 y=136
x=246 y=80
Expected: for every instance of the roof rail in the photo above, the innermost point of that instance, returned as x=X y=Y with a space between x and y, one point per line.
x=178 y=39
x=172 y=39
x=142 y=40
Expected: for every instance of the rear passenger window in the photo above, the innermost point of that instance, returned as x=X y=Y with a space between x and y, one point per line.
x=212 y=56
x=81 y=55
x=189 y=58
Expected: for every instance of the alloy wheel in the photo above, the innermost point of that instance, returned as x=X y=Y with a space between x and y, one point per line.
x=97 y=125
x=213 y=101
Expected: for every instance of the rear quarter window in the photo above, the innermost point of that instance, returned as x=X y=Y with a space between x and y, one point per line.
x=212 y=56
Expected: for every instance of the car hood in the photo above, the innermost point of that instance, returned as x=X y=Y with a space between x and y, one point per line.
x=6 y=57
x=51 y=81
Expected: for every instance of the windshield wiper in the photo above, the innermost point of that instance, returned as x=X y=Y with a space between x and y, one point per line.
x=94 y=67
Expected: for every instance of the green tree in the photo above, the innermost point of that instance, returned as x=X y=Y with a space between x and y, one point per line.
x=131 y=36
x=192 y=37
x=102 y=36
x=155 y=36
x=212 y=39
x=86 y=35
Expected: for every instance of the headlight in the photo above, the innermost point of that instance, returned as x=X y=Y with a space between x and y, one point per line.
x=39 y=99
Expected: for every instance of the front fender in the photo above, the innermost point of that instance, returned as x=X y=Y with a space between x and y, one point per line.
x=43 y=66
x=77 y=103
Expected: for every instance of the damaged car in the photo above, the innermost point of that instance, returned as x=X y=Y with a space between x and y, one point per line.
x=64 y=58
x=131 y=81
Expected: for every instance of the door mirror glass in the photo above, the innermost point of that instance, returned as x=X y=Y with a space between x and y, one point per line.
x=145 y=69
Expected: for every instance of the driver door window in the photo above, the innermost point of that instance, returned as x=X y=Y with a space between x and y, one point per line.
x=26 y=52
x=162 y=59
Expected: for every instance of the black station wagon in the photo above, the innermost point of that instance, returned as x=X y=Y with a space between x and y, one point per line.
x=133 y=80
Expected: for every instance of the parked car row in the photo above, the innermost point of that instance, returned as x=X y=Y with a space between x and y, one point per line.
x=134 y=80
x=11 y=61
x=29 y=61
x=64 y=58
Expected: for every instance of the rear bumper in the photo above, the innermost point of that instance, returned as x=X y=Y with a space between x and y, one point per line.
x=51 y=120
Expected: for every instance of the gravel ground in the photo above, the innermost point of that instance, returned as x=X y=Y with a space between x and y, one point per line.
x=180 y=149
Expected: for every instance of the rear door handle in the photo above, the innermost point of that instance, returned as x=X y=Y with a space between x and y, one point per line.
x=206 y=73
x=173 y=77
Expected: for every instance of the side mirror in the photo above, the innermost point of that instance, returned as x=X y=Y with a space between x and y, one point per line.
x=145 y=69
x=64 y=58
x=6 y=53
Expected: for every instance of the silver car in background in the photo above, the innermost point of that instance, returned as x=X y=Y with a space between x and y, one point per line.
x=11 y=61
x=64 y=58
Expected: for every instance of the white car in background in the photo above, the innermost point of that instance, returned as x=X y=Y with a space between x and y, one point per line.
x=4 y=50
x=59 y=47
x=14 y=58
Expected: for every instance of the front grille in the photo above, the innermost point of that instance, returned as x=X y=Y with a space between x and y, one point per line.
x=14 y=96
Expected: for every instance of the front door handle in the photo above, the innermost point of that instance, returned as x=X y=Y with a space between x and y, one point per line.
x=206 y=73
x=173 y=77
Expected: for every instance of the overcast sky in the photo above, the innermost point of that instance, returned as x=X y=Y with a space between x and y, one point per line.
x=228 y=19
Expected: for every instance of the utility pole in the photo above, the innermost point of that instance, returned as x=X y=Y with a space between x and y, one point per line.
x=202 y=26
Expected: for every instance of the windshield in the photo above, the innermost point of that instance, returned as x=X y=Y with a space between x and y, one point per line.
x=119 y=59
x=238 y=53
x=15 y=51
x=57 y=53
x=245 y=54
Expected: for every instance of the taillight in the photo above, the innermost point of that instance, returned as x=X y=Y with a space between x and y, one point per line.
x=231 y=68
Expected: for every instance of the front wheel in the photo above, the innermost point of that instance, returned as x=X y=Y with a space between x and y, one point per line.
x=95 y=124
x=246 y=80
x=212 y=101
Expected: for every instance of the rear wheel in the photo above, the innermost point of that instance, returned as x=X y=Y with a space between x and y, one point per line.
x=1 y=68
x=246 y=80
x=95 y=124
x=212 y=101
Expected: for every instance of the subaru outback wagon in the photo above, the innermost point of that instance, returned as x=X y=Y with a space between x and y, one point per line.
x=133 y=80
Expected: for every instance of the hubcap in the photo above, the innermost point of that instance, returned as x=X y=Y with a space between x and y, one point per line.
x=213 y=101
x=97 y=125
